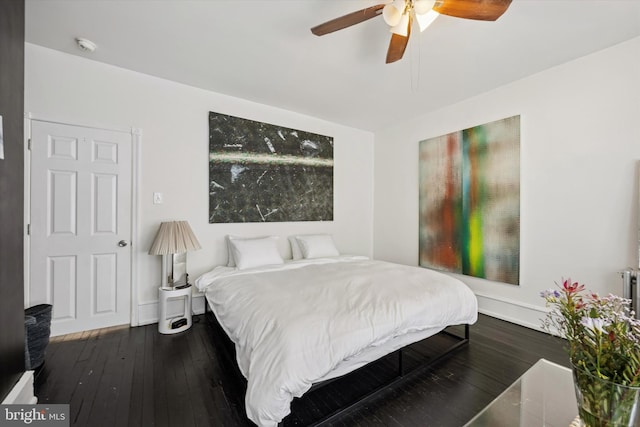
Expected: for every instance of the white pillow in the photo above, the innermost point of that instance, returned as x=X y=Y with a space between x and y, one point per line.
x=231 y=262
x=317 y=246
x=296 y=253
x=249 y=253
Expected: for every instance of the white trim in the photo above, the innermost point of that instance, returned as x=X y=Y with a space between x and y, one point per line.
x=148 y=311
x=22 y=393
x=136 y=158
x=26 y=210
x=59 y=121
x=197 y=303
x=516 y=312
x=510 y=301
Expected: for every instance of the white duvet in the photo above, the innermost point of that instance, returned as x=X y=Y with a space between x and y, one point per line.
x=294 y=324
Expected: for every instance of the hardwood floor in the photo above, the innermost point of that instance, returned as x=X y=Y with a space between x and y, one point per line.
x=138 y=377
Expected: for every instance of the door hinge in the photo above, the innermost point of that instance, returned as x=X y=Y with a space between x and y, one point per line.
x=28 y=229
x=29 y=144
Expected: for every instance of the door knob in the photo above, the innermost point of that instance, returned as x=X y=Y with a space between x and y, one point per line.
x=123 y=243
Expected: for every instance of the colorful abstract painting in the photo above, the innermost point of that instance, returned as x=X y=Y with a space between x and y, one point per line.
x=470 y=201
x=259 y=172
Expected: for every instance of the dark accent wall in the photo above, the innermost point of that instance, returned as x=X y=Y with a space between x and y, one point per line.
x=11 y=194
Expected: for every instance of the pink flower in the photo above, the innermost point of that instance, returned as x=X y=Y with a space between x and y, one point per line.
x=572 y=288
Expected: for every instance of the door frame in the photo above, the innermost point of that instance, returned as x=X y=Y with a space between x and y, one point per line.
x=136 y=143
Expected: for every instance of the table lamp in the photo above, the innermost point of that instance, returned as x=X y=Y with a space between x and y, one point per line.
x=173 y=240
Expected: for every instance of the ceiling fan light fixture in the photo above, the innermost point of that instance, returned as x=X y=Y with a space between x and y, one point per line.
x=423 y=6
x=426 y=19
x=392 y=13
x=402 y=29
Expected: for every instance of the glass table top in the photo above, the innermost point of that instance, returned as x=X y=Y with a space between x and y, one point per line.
x=542 y=396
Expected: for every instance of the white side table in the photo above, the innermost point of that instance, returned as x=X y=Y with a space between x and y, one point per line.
x=165 y=322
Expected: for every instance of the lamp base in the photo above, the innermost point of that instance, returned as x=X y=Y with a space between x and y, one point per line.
x=169 y=302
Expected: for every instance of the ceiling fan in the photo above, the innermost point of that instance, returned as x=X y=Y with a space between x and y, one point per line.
x=400 y=15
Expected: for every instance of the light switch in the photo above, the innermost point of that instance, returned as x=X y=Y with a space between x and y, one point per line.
x=157 y=198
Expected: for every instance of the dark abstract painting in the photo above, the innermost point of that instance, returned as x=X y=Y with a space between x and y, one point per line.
x=470 y=201
x=259 y=172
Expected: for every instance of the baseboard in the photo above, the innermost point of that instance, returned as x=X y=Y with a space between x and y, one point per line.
x=22 y=393
x=148 y=311
x=517 y=312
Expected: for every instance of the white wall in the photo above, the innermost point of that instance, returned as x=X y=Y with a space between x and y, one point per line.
x=174 y=155
x=580 y=145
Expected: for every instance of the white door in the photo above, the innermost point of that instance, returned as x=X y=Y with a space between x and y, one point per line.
x=80 y=260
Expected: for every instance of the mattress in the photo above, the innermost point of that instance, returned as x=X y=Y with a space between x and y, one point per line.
x=306 y=321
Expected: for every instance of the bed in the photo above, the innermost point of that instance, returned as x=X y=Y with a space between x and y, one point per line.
x=305 y=321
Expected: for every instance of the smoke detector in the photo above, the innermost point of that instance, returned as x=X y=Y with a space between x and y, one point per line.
x=86 y=45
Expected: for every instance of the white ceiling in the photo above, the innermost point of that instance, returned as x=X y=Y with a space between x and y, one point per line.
x=263 y=51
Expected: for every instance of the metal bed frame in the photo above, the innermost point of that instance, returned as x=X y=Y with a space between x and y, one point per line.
x=401 y=376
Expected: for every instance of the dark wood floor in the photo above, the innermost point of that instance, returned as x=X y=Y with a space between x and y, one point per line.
x=138 y=377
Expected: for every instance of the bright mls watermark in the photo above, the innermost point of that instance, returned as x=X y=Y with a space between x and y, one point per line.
x=34 y=415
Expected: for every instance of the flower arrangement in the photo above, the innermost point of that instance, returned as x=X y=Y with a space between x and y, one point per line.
x=602 y=335
x=604 y=348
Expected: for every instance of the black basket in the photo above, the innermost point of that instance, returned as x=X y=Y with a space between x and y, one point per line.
x=38 y=333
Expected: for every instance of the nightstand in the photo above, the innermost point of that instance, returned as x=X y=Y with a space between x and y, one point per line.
x=174 y=323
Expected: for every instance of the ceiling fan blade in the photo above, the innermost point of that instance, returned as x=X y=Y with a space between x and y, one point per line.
x=397 y=46
x=347 y=20
x=483 y=10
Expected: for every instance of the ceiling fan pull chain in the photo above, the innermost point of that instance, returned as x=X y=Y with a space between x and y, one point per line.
x=415 y=88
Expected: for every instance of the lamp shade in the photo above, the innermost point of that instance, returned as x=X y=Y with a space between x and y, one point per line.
x=174 y=237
